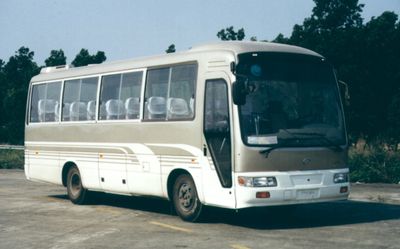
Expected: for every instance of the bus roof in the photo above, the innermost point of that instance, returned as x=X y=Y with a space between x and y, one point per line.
x=226 y=47
x=238 y=47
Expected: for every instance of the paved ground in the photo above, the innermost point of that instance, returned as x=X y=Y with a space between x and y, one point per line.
x=34 y=215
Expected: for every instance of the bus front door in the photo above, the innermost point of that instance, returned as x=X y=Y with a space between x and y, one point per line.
x=217 y=129
x=217 y=144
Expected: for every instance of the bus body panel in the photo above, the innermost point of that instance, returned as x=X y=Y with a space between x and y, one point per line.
x=44 y=165
x=214 y=193
x=289 y=159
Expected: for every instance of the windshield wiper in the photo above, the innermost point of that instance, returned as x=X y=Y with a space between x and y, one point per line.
x=332 y=145
x=268 y=150
x=295 y=136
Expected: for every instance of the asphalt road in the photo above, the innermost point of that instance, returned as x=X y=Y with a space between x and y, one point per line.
x=35 y=215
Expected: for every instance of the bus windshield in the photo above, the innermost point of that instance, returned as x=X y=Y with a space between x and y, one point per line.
x=292 y=100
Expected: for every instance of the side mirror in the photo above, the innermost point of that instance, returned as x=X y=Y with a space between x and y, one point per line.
x=344 y=91
x=239 y=91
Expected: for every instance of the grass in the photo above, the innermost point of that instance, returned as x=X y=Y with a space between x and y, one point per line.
x=11 y=159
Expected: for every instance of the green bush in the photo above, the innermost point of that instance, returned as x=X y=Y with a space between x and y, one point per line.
x=374 y=165
x=11 y=159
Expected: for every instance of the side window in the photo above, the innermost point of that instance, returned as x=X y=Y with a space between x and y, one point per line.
x=216 y=106
x=45 y=102
x=180 y=103
x=38 y=95
x=120 y=96
x=79 y=100
x=170 y=93
x=156 y=94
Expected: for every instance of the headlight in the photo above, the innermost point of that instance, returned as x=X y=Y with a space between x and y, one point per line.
x=341 y=177
x=264 y=181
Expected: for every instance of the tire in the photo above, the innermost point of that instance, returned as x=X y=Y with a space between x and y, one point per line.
x=185 y=199
x=76 y=192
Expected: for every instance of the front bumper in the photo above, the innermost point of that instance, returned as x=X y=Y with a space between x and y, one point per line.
x=294 y=187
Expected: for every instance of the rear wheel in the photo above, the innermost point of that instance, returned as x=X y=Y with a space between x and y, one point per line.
x=76 y=192
x=185 y=199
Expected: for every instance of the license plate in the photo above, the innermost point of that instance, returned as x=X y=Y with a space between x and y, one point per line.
x=307 y=194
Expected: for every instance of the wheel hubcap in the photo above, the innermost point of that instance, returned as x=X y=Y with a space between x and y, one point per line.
x=76 y=185
x=185 y=197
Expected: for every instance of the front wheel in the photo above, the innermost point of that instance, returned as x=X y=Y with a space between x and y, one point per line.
x=76 y=192
x=185 y=199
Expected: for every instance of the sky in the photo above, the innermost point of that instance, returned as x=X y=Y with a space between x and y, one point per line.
x=127 y=28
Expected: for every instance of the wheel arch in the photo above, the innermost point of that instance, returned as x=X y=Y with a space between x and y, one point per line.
x=175 y=173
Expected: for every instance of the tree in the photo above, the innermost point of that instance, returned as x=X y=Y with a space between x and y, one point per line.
x=329 y=22
x=18 y=71
x=3 y=89
x=377 y=89
x=56 y=58
x=329 y=15
x=170 y=49
x=20 y=68
x=83 y=58
x=280 y=38
x=229 y=34
x=99 y=57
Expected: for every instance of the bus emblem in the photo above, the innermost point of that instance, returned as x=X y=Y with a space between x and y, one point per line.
x=306 y=161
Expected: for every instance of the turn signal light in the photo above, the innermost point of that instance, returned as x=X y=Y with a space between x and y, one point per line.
x=241 y=181
x=256 y=182
x=263 y=195
x=343 y=189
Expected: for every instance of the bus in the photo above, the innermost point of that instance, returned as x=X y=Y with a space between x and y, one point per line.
x=228 y=124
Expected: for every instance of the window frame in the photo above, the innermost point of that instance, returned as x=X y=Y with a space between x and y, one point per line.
x=62 y=98
x=29 y=112
x=144 y=76
x=170 y=66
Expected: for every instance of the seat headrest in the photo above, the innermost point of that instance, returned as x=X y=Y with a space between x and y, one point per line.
x=156 y=105
x=115 y=107
x=178 y=106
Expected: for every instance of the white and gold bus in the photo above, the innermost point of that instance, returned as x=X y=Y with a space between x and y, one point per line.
x=230 y=124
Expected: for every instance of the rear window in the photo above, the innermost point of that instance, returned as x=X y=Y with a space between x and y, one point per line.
x=45 y=102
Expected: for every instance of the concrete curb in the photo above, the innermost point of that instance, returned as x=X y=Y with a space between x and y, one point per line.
x=375 y=192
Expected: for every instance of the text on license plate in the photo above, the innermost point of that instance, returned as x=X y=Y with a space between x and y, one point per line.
x=307 y=194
